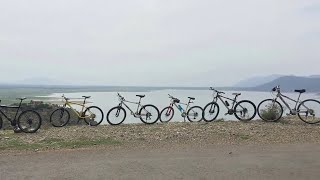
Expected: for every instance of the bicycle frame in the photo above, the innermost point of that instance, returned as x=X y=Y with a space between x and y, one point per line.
x=82 y=105
x=135 y=114
x=223 y=98
x=181 y=110
x=282 y=97
x=11 y=107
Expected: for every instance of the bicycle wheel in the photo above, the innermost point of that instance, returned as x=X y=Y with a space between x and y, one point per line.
x=309 y=111
x=116 y=115
x=166 y=114
x=194 y=114
x=29 y=121
x=60 y=117
x=211 y=112
x=245 y=110
x=149 y=114
x=93 y=116
x=270 y=110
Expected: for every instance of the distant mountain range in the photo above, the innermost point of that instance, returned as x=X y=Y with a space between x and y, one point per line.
x=287 y=83
x=257 y=81
x=262 y=83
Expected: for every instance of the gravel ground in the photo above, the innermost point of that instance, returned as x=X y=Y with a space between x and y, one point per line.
x=288 y=131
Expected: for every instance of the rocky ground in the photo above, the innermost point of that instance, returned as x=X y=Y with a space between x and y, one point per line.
x=287 y=131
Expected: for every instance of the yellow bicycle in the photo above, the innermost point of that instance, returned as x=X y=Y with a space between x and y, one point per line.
x=92 y=115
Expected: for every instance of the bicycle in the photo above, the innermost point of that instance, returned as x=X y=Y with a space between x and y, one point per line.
x=271 y=110
x=93 y=115
x=194 y=114
x=148 y=114
x=29 y=121
x=244 y=110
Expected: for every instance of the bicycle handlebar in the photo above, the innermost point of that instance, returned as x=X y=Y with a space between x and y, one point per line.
x=219 y=92
x=277 y=88
x=121 y=97
x=171 y=96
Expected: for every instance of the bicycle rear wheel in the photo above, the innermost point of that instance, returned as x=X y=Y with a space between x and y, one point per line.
x=93 y=116
x=29 y=121
x=309 y=111
x=166 y=114
x=195 y=114
x=270 y=110
x=245 y=110
x=60 y=117
x=149 y=114
x=116 y=115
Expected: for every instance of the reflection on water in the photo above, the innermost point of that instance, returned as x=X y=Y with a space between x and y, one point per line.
x=107 y=100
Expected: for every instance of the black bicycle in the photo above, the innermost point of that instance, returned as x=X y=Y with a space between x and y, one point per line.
x=244 y=110
x=271 y=110
x=28 y=121
x=148 y=114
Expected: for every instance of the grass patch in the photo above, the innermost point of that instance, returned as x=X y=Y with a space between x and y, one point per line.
x=54 y=143
x=243 y=136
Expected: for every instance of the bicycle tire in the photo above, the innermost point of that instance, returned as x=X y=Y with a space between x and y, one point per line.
x=62 y=112
x=119 y=109
x=37 y=127
x=165 y=113
x=99 y=120
x=148 y=114
x=268 y=120
x=302 y=104
x=247 y=119
x=209 y=105
x=197 y=114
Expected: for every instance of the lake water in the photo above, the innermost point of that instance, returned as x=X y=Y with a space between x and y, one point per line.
x=107 y=100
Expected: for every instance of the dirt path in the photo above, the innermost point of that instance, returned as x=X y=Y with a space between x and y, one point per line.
x=178 y=162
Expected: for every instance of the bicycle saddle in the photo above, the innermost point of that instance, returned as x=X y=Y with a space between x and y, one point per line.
x=141 y=96
x=21 y=99
x=87 y=97
x=236 y=94
x=300 y=90
x=192 y=98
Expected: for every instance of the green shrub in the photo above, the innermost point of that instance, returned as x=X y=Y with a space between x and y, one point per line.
x=271 y=112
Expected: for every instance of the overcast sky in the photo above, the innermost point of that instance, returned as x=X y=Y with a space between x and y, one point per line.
x=158 y=42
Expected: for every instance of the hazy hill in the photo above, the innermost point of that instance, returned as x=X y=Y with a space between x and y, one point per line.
x=290 y=83
x=257 y=81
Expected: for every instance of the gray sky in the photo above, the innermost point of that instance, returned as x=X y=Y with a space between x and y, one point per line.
x=158 y=42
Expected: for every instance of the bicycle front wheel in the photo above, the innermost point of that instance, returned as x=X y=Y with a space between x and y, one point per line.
x=116 y=115
x=29 y=121
x=93 y=116
x=149 y=114
x=211 y=112
x=60 y=117
x=270 y=110
x=166 y=114
x=195 y=114
x=309 y=111
x=245 y=110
